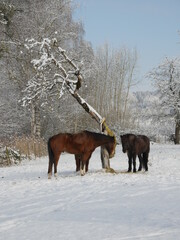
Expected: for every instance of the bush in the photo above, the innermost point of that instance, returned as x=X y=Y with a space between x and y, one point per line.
x=30 y=147
x=9 y=156
x=13 y=151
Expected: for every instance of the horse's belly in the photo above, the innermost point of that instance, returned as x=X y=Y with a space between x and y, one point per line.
x=73 y=150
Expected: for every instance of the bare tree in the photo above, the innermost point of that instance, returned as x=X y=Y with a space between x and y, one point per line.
x=39 y=18
x=113 y=77
x=166 y=78
x=55 y=74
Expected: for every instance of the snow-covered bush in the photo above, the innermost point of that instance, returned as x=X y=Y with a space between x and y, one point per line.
x=9 y=156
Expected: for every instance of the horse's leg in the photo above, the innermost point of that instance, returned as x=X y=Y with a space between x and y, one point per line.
x=140 y=162
x=85 y=162
x=145 y=160
x=134 y=162
x=129 y=162
x=56 y=158
x=78 y=159
x=51 y=159
x=50 y=169
x=82 y=168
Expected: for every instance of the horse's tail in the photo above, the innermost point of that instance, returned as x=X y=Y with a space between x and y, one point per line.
x=145 y=157
x=51 y=156
x=144 y=160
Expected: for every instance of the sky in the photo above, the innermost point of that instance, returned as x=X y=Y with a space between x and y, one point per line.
x=150 y=26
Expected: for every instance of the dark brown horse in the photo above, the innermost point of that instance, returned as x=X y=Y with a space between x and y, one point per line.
x=107 y=146
x=78 y=163
x=136 y=145
x=80 y=144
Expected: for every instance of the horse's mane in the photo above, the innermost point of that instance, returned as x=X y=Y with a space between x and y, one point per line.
x=97 y=135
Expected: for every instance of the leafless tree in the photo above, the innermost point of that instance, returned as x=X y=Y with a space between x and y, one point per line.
x=166 y=78
x=56 y=73
x=114 y=72
x=39 y=18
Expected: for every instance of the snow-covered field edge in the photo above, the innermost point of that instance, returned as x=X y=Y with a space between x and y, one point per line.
x=100 y=205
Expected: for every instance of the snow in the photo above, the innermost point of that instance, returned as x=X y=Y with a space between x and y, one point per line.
x=99 y=205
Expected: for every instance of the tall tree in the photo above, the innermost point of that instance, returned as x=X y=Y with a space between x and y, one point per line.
x=166 y=78
x=36 y=19
x=13 y=118
x=114 y=71
x=56 y=73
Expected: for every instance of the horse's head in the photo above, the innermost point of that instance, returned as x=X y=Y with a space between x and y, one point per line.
x=125 y=143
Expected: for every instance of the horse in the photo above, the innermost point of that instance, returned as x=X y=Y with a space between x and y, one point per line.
x=136 y=145
x=81 y=144
x=78 y=163
x=107 y=146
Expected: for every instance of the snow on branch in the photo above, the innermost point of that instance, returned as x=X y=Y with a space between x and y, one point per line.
x=54 y=71
x=6 y=12
x=166 y=79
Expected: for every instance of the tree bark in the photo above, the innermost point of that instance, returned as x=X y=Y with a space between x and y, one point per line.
x=104 y=153
x=177 y=130
x=35 y=121
x=87 y=107
x=101 y=121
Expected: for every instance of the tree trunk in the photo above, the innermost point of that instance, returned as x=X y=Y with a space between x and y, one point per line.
x=103 y=126
x=177 y=128
x=72 y=88
x=177 y=133
x=104 y=153
x=35 y=121
x=87 y=107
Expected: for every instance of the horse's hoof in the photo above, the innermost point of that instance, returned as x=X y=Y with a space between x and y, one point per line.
x=49 y=175
x=82 y=172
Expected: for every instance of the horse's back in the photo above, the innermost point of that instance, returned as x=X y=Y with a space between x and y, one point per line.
x=87 y=139
x=59 y=137
x=80 y=138
x=78 y=143
x=144 y=142
x=128 y=138
x=58 y=142
x=144 y=137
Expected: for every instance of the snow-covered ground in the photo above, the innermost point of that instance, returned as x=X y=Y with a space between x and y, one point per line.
x=100 y=205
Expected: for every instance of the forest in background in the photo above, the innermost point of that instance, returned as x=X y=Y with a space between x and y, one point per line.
x=108 y=75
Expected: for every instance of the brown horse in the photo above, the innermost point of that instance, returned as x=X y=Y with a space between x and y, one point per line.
x=80 y=144
x=107 y=146
x=136 y=145
x=78 y=163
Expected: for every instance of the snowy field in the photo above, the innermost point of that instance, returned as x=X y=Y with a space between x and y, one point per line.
x=100 y=206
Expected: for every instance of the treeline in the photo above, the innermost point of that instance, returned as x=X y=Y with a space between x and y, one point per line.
x=107 y=73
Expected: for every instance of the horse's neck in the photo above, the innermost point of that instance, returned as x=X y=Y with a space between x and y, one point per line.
x=101 y=140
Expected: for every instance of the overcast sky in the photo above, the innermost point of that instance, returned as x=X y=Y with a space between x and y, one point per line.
x=150 y=26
